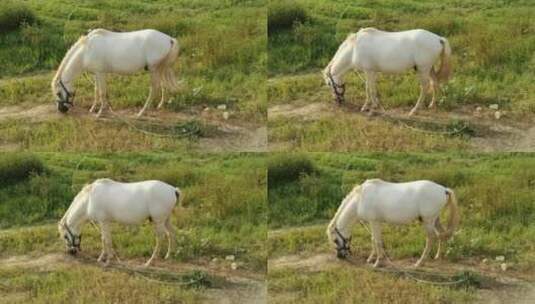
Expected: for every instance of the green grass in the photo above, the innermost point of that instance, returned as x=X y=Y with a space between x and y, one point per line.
x=492 y=42
x=222 y=60
x=219 y=217
x=494 y=192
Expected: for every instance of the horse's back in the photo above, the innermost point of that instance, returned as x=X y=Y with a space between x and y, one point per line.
x=396 y=52
x=131 y=202
x=402 y=202
x=125 y=52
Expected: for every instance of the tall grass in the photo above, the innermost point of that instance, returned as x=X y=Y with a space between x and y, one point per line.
x=492 y=43
x=222 y=57
x=223 y=212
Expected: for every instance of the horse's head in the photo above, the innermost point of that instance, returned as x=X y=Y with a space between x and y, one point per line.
x=337 y=86
x=343 y=244
x=64 y=96
x=72 y=240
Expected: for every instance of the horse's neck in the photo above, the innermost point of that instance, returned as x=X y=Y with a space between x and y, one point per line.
x=74 y=66
x=347 y=216
x=342 y=61
x=76 y=215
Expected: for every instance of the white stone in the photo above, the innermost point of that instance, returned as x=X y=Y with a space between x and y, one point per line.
x=226 y=115
x=500 y=258
x=494 y=106
x=484 y=261
x=222 y=107
x=206 y=109
x=215 y=260
x=497 y=114
x=230 y=258
x=479 y=109
x=234 y=266
x=503 y=266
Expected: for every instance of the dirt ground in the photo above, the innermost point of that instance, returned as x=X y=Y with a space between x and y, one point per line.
x=239 y=286
x=501 y=287
x=231 y=134
x=491 y=134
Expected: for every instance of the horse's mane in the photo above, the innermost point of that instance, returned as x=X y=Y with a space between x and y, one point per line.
x=349 y=38
x=75 y=203
x=351 y=194
x=66 y=59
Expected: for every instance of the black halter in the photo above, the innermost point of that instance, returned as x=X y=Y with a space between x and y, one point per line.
x=73 y=237
x=339 y=89
x=345 y=241
x=62 y=104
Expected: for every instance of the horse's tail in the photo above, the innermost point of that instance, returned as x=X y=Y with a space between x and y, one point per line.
x=453 y=221
x=179 y=196
x=165 y=69
x=444 y=71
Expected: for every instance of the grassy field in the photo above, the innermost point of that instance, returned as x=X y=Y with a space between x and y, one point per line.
x=222 y=61
x=495 y=194
x=492 y=43
x=224 y=213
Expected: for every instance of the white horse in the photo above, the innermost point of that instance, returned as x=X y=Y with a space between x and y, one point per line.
x=372 y=51
x=101 y=52
x=106 y=201
x=377 y=201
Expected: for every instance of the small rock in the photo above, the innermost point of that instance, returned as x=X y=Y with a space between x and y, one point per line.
x=503 y=266
x=500 y=258
x=206 y=109
x=494 y=106
x=497 y=114
x=222 y=107
x=234 y=266
x=485 y=261
x=226 y=115
x=230 y=258
x=479 y=109
x=215 y=260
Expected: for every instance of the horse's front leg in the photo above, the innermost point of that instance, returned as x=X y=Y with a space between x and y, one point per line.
x=378 y=242
x=93 y=107
x=372 y=254
x=102 y=92
x=372 y=76
x=162 y=99
x=365 y=107
x=106 y=243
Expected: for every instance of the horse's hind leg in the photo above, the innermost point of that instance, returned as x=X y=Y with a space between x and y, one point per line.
x=430 y=237
x=170 y=231
x=424 y=87
x=438 y=231
x=155 y=87
x=434 y=88
x=162 y=99
x=159 y=229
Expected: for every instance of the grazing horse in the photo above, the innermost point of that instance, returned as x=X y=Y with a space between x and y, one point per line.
x=101 y=52
x=377 y=201
x=372 y=51
x=106 y=201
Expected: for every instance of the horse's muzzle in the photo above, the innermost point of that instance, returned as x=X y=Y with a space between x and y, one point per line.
x=62 y=107
x=342 y=253
x=72 y=251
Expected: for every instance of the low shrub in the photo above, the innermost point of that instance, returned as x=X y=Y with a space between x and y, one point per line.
x=15 y=168
x=286 y=168
x=282 y=15
x=14 y=15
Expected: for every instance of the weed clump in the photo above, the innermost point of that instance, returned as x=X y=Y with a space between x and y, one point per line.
x=286 y=168
x=14 y=15
x=15 y=168
x=283 y=15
